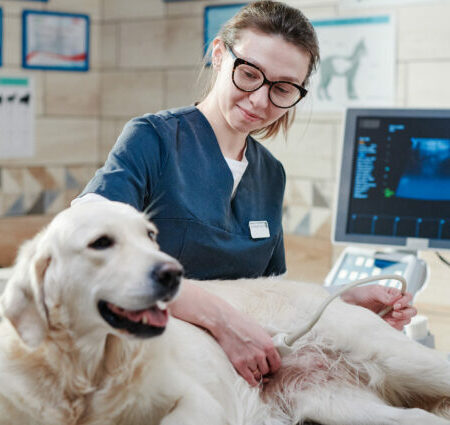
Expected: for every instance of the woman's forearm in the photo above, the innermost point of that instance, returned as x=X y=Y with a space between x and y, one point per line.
x=199 y=307
x=247 y=345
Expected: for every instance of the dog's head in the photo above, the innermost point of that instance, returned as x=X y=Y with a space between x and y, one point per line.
x=95 y=268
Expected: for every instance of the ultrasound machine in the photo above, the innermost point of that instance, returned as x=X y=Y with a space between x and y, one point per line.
x=393 y=197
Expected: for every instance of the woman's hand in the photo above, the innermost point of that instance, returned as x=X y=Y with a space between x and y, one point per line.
x=248 y=346
x=377 y=297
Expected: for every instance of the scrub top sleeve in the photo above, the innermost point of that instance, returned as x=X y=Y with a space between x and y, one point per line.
x=132 y=169
x=277 y=263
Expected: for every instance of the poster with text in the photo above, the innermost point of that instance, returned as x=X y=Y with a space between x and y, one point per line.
x=16 y=117
x=357 y=67
x=55 y=41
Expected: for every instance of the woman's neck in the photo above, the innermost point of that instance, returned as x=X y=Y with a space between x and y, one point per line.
x=231 y=142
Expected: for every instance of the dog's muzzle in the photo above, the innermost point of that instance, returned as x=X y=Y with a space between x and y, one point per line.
x=165 y=279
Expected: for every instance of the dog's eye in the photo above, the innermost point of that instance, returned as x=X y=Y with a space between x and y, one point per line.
x=152 y=235
x=102 y=242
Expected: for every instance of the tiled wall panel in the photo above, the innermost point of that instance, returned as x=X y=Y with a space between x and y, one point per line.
x=73 y=94
x=12 y=44
x=142 y=44
x=309 y=151
x=134 y=9
x=424 y=32
x=93 y=8
x=109 y=45
x=11 y=8
x=184 y=41
x=127 y=94
x=181 y=87
x=427 y=84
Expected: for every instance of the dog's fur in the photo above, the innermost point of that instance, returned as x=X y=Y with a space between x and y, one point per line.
x=61 y=363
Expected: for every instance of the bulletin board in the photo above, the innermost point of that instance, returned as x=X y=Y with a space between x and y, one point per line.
x=16 y=117
x=213 y=19
x=55 y=41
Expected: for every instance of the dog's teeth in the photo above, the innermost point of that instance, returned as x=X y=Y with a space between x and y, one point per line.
x=144 y=320
x=161 y=305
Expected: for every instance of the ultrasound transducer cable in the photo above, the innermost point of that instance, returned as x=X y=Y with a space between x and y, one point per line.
x=283 y=342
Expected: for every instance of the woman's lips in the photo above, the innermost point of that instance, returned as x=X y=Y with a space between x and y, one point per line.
x=248 y=115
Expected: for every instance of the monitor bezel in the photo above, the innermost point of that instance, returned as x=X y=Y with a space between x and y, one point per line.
x=343 y=192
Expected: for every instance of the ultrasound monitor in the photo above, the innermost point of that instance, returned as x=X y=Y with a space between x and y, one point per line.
x=394 y=184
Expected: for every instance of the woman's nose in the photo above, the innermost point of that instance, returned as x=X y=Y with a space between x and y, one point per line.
x=260 y=97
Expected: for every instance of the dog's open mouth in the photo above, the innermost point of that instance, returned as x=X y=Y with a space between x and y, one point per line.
x=141 y=323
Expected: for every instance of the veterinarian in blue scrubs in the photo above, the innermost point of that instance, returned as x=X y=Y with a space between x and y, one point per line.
x=214 y=192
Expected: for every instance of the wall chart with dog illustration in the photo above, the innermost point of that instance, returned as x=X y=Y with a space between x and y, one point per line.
x=357 y=65
x=16 y=117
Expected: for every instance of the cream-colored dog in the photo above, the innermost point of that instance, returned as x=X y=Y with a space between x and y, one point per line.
x=85 y=339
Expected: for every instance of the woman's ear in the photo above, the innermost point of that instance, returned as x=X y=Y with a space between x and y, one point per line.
x=217 y=53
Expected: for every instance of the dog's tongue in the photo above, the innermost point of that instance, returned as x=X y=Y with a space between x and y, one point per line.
x=154 y=316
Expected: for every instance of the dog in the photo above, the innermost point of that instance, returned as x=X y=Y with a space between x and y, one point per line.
x=85 y=339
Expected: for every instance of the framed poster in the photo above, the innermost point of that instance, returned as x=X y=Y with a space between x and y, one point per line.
x=1 y=36
x=55 y=41
x=213 y=19
x=357 y=67
x=16 y=117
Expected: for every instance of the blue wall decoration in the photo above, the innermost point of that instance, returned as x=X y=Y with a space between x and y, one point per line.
x=213 y=19
x=55 y=41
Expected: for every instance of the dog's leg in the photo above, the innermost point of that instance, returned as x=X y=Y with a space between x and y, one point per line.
x=196 y=407
x=416 y=376
x=335 y=405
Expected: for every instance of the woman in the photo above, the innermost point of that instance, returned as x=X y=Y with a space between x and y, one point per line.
x=213 y=191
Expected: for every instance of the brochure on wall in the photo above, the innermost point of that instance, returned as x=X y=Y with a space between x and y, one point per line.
x=377 y=3
x=16 y=117
x=357 y=66
x=55 y=41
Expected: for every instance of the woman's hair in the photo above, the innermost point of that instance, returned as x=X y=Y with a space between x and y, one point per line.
x=273 y=18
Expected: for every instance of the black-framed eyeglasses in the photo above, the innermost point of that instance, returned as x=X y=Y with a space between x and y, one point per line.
x=248 y=77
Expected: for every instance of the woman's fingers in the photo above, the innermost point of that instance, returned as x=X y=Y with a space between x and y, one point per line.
x=274 y=359
x=403 y=301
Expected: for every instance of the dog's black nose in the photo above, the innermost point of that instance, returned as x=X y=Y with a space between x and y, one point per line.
x=167 y=274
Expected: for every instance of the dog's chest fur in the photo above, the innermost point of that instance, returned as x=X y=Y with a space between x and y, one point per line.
x=60 y=390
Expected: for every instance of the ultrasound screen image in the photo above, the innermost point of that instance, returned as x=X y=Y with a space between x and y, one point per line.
x=400 y=184
x=427 y=170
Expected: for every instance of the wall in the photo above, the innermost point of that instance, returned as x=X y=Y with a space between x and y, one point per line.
x=68 y=130
x=144 y=57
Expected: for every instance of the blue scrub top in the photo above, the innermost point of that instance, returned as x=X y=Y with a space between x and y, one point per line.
x=171 y=165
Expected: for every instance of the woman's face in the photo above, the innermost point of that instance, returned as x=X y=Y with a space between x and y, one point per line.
x=245 y=112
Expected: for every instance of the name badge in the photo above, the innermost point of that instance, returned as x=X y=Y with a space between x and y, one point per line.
x=259 y=229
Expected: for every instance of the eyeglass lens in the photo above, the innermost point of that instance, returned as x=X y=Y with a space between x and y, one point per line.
x=248 y=78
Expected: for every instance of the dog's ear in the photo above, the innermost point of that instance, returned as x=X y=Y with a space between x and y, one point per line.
x=22 y=302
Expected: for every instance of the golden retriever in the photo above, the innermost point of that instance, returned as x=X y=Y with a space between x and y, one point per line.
x=85 y=339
